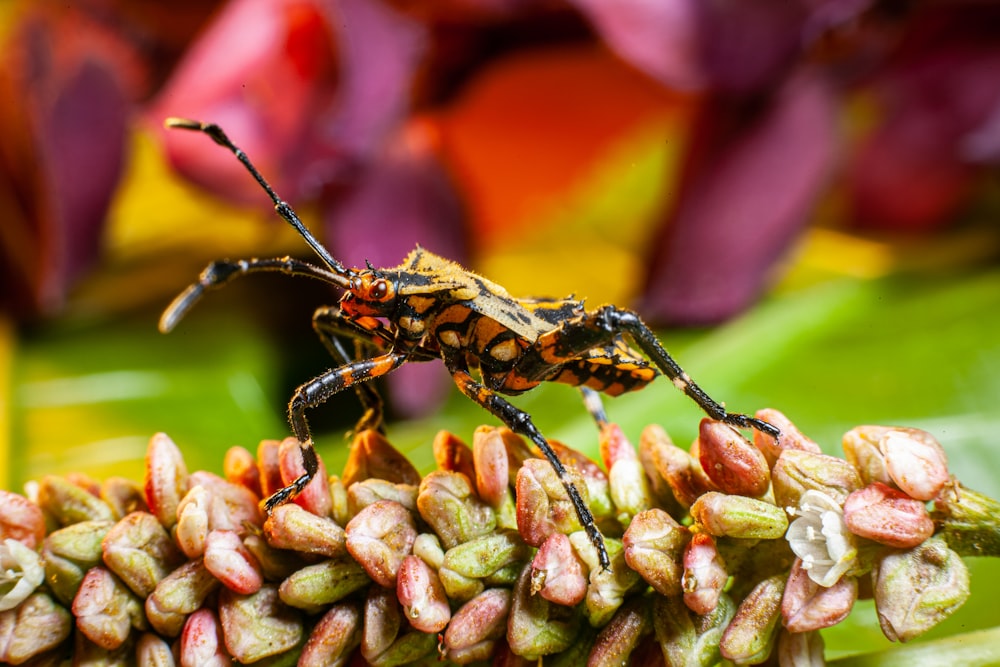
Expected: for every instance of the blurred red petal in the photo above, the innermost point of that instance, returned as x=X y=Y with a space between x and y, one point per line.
x=307 y=87
x=744 y=200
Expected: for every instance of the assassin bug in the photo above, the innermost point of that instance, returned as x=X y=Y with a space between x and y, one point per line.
x=428 y=308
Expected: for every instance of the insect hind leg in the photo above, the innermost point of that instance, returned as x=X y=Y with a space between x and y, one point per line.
x=520 y=422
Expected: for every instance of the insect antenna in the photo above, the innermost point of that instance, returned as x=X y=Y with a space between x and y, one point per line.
x=281 y=206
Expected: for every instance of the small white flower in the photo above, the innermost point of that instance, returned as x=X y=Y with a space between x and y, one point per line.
x=21 y=573
x=820 y=538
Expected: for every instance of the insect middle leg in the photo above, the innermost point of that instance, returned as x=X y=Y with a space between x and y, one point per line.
x=316 y=392
x=520 y=422
x=600 y=327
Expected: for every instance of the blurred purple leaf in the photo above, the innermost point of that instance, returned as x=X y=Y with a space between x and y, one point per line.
x=754 y=179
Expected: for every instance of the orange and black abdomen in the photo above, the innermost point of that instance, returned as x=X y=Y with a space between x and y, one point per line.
x=613 y=370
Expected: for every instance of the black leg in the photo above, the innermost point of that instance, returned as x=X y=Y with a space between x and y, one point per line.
x=520 y=422
x=316 y=392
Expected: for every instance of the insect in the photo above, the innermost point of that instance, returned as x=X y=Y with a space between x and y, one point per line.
x=429 y=308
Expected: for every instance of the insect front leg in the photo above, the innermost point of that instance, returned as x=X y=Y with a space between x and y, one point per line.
x=368 y=335
x=520 y=422
x=316 y=392
x=600 y=327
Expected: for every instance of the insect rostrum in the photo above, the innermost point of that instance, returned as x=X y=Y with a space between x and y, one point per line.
x=428 y=308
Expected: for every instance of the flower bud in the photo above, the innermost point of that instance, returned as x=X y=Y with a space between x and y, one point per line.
x=419 y=590
x=725 y=515
x=704 y=574
x=314 y=496
x=492 y=465
x=379 y=537
x=201 y=641
x=969 y=521
x=453 y=455
x=477 y=625
x=861 y=449
x=606 y=588
x=123 y=496
x=315 y=586
x=166 y=479
x=652 y=440
x=275 y=564
x=269 y=467
x=485 y=555
x=733 y=464
x=231 y=562
x=21 y=572
x=334 y=637
x=372 y=457
x=627 y=481
x=751 y=634
x=597 y=482
x=556 y=572
x=790 y=438
x=680 y=470
x=105 y=610
x=192 y=521
x=619 y=638
x=653 y=547
x=259 y=625
x=808 y=606
x=33 y=627
x=916 y=462
x=917 y=589
x=69 y=552
x=428 y=547
x=233 y=507
x=68 y=503
x=819 y=536
x=800 y=649
x=240 y=467
x=887 y=516
x=293 y=527
x=363 y=494
x=446 y=502
x=178 y=594
x=152 y=651
x=140 y=552
x=21 y=520
x=685 y=638
x=796 y=472
x=382 y=641
x=537 y=627
x=543 y=505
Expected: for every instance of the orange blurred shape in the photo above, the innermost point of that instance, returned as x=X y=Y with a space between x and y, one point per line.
x=534 y=124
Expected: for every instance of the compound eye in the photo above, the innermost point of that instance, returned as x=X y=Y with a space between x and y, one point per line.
x=379 y=289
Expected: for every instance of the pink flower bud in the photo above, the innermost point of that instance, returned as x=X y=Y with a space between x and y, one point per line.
x=537 y=627
x=363 y=494
x=372 y=456
x=653 y=547
x=240 y=467
x=201 y=641
x=492 y=465
x=315 y=496
x=704 y=574
x=446 y=501
x=800 y=649
x=453 y=455
x=105 y=609
x=617 y=640
x=293 y=527
x=916 y=462
x=384 y=639
x=790 y=438
x=379 y=537
x=166 y=478
x=21 y=520
x=796 y=472
x=152 y=650
x=476 y=625
x=35 y=626
x=887 y=516
x=424 y=601
x=231 y=562
x=679 y=469
x=808 y=606
x=334 y=637
x=733 y=464
x=269 y=467
x=543 y=506
x=557 y=574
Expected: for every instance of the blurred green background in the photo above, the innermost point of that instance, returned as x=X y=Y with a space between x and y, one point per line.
x=546 y=153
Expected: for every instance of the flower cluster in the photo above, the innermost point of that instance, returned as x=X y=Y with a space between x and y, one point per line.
x=733 y=549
